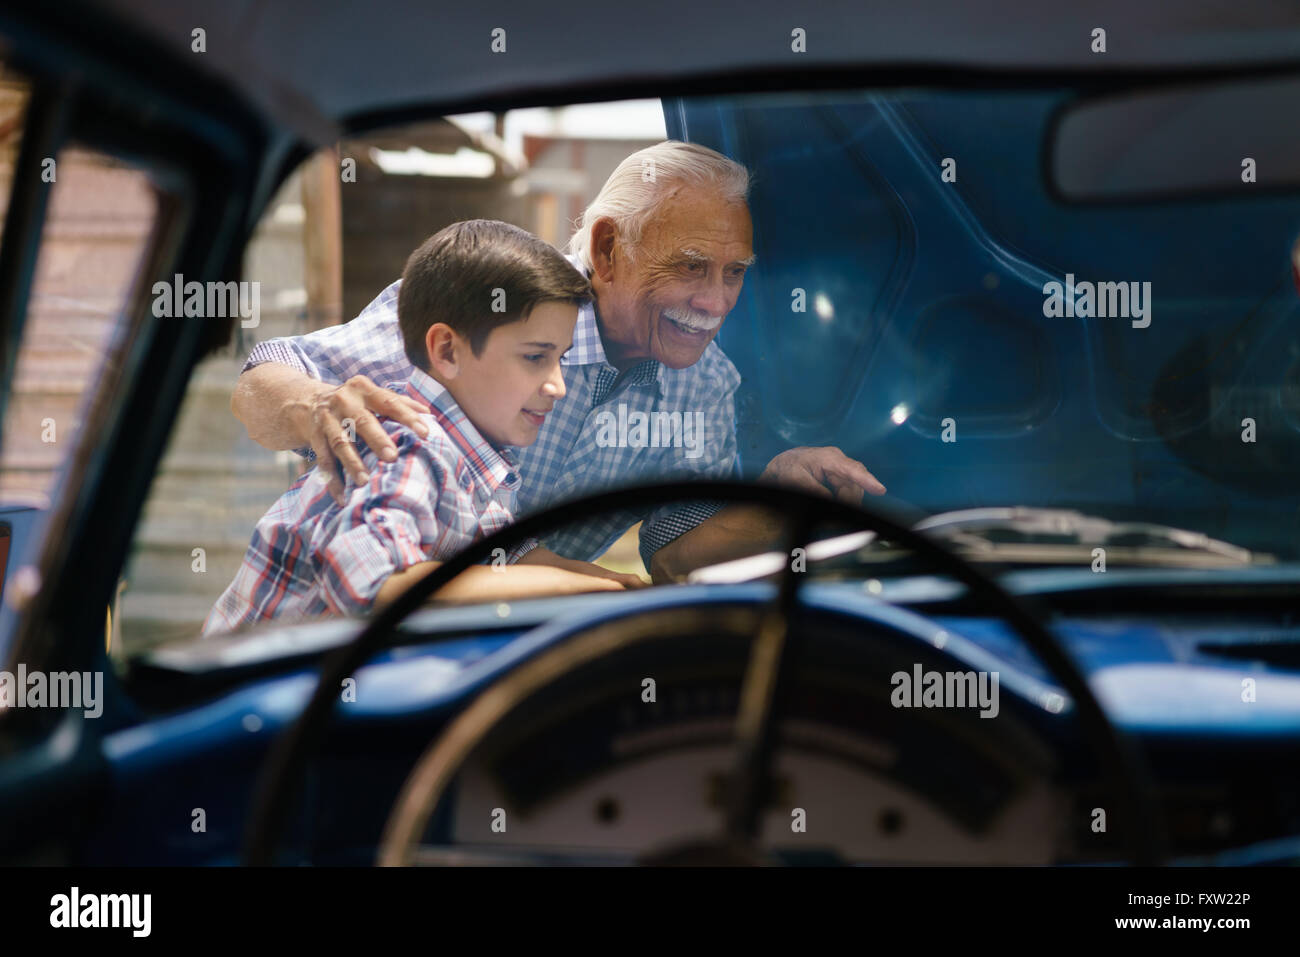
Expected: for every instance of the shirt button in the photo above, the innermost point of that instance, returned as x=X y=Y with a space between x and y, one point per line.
x=511 y=478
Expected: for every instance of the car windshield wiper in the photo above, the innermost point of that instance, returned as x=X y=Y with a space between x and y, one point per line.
x=1015 y=534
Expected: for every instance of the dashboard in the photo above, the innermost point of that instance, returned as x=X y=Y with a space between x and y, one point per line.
x=594 y=763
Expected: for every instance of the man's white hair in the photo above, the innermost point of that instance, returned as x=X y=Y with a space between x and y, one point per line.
x=639 y=183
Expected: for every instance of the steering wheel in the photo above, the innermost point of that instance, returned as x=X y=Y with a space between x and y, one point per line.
x=761 y=699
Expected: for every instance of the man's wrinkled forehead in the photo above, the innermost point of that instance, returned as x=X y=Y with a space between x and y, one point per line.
x=696 y=217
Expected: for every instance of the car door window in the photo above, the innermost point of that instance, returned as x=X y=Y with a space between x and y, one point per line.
x=96 y=234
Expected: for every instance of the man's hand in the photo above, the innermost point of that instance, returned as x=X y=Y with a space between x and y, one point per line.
x=360 y=401
x=742 y=530
x=283 y=408
x=823 y=471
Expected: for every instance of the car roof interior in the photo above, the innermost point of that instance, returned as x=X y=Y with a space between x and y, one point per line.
x=309 y=63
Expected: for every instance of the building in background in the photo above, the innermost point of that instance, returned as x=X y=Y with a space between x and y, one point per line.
x=412 y=182
x=563 y=176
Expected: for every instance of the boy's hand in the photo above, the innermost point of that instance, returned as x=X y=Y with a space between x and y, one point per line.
x=577 y=584
x=484 y=583
x=626 y=580
x=544 y=556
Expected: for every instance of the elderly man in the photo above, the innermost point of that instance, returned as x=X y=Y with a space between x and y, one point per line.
x=665 y=244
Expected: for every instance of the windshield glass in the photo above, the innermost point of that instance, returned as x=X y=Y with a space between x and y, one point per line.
x=896 y=287
x=978 y=343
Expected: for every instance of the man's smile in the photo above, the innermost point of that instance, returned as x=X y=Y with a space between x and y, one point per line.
x=692 y=323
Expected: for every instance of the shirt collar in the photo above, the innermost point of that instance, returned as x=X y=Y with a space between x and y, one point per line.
x=490 y=466
x=588 y=348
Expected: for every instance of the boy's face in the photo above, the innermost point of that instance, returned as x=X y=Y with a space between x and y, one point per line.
x=508 y=389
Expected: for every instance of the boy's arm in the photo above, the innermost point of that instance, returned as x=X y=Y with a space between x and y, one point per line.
x=545 y=557
x=380 y=543
x=488 y=583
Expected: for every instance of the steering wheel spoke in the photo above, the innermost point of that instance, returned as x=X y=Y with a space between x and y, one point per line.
x=768 y=673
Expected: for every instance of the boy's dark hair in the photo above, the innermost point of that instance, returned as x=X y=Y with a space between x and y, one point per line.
x=461 y=273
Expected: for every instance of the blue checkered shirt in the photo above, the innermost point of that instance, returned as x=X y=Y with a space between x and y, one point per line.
x=604 y=433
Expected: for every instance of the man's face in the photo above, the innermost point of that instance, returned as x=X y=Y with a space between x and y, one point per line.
x=668 y=300
x=508 y=389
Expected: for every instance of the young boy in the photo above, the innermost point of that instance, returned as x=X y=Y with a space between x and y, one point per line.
x=486 y=310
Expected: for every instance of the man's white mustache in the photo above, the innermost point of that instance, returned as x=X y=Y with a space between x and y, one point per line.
x=694 y=321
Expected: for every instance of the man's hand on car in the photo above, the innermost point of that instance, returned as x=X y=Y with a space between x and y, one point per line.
x=738 y=531
x=824 y=470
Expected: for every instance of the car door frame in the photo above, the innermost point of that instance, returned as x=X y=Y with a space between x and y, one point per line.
x=214 y=160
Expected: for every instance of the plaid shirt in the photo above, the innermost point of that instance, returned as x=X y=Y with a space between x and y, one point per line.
x=590 y=441
x=311 y=556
